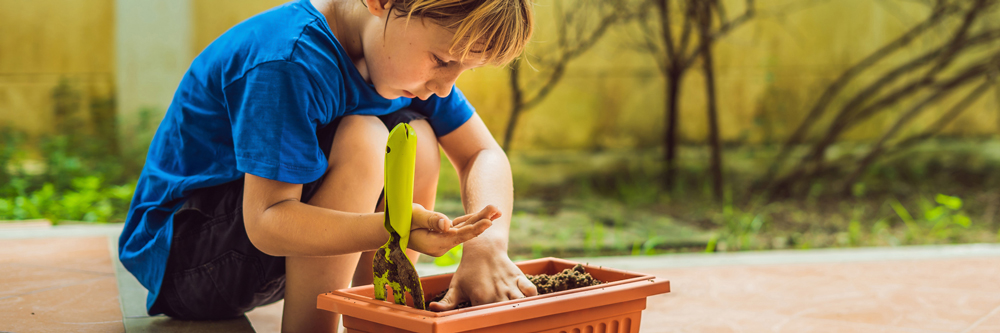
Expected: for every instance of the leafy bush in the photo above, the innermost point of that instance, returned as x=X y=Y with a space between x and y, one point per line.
x=87 y=200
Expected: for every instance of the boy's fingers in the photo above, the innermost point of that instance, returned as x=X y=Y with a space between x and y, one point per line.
x=437 y=244
x=449 y=302
x=425 y=219
x=527 y=288
x=470 y=231
x=489 y=212
x=438 y=222
x=443 y=225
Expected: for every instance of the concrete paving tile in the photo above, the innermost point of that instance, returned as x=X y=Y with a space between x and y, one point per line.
x=267 y=318
x=989 y=323
x=88 y=254
x=164 y=324
x=131 y=293
x=892 y=296
x=664 y=314
x=819 y=325
x=87 y=306
x=702 y=319
x=974 y=274
x=939 y=308
x=19 y=279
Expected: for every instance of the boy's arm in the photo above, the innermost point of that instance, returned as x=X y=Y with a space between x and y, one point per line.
x=486 y=274
x=279 y=224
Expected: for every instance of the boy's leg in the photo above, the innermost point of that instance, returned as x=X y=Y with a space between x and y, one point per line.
x=425 y=181
x=353 y=184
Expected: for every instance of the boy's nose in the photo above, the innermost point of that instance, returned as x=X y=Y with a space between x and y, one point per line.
x=442 y=86
x=441 y=89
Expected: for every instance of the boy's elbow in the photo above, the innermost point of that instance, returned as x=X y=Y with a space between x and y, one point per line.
x=257 y=231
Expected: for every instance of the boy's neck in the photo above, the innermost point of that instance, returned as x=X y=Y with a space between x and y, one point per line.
x=347 y=21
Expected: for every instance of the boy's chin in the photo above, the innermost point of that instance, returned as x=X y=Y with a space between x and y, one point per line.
x=388 y=93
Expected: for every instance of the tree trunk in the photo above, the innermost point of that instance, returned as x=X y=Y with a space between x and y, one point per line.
x=705 y=19
x=516 y=104
x=671 y=76
x=670 y=139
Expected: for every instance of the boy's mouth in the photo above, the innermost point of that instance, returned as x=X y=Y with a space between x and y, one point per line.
x=408 y=94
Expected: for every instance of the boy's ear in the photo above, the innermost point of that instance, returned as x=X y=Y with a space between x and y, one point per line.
x=378 y=7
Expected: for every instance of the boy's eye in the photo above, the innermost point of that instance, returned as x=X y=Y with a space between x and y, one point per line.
x=440 y=62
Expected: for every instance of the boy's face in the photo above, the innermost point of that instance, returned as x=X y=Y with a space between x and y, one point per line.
x=411 y=59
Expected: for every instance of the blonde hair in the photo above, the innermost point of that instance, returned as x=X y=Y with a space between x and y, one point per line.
x=500 y=29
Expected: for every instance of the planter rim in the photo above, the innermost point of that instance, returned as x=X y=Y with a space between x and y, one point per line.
x=352 y=292
x=635 y=286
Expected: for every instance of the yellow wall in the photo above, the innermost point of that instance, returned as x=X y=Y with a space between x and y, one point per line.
x=211 y=18
x=44 y=41
x=768 y=75
x=769 y=72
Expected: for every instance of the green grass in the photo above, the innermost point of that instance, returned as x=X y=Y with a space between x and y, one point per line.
x=587 y=203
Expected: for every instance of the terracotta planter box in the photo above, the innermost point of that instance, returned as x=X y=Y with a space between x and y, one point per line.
x=615 y=306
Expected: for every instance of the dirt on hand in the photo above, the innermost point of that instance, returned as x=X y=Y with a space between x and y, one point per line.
x=570 y=278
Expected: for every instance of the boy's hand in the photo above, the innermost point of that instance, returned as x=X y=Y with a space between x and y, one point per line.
x=484 y=278
x=433 y=234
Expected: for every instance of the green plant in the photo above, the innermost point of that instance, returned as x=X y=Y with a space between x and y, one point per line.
x=712 y=243
x=948 y=215
x=883 y=231
x=593 y=238
x=740 y=230
x=87 y=200
x=940 y=221
x=912 y=229
x=649 y=246
x=854 y=233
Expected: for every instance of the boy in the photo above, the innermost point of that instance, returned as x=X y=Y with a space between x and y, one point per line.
x=261 y=181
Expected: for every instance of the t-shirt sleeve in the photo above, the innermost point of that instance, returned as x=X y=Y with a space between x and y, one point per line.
x=445 y=114
x=275 y=110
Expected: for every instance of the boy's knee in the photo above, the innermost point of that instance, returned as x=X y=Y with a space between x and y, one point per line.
x=428 y=162
x=359 y=147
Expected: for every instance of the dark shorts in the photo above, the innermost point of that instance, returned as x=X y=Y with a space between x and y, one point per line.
x=214 y=271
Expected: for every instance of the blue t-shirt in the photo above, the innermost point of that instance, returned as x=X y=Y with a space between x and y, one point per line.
x=252 y=102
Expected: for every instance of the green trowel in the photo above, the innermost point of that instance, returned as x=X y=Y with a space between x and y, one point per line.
x=391 y=265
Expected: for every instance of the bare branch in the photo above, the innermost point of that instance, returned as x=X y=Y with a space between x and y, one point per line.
x=720 y=11
x=686 y=30
x=653 y=48
x=730 y=25
x=959 y=37
x=723 y=30
x=816 y=155
x=667 y=34
x=944 y=120
x=588 y=42
x=569 y=53
x=906 y=118
x=561 y=28
x=936 y=17
x=978 y=69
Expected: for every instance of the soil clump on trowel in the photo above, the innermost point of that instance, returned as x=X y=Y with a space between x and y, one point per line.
x=570 y=278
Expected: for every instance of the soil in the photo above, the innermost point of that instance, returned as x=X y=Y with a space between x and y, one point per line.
x=570 y=278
